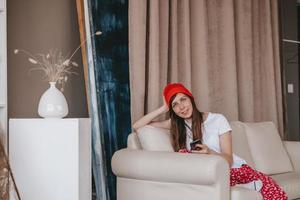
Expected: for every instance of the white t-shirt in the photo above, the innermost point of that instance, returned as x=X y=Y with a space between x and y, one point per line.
x=214 y=126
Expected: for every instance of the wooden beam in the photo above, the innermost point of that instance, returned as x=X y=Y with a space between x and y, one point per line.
x=82 y=31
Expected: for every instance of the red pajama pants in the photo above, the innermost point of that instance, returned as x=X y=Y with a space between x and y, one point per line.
x=245 y=174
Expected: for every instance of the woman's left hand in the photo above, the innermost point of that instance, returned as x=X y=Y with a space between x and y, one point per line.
x=203 y=149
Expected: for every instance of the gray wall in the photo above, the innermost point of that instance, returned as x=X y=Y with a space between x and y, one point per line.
x=290 y=66
x=38 y=26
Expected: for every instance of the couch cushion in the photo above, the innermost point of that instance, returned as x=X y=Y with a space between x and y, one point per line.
x=239 y=142
x=267 y=149
x=133 y=141
x=293 y=149
x=240 y=193
x=154 y=139
x=290 y=183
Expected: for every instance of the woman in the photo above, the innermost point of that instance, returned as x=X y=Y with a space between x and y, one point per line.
x=193 y=131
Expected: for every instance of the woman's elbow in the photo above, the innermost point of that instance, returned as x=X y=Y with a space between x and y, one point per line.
x=230 y=161
x=134 y=127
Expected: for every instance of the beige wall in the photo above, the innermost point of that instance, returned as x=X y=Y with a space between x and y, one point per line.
x=38 y=26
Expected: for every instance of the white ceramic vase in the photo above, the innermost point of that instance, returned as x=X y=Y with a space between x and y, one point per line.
x=53 y=103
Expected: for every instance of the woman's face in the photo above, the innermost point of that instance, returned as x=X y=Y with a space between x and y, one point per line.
x=182 y=106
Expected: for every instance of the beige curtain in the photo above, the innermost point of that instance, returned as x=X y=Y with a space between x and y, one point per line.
x=225 y=51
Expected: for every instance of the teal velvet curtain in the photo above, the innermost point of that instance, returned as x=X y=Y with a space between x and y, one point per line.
x=111 y=111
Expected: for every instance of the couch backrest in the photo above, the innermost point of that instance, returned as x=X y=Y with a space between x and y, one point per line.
x=150 y=138
x=258 y=143
x=239 y=138
x=240 y=144
x=266 y=147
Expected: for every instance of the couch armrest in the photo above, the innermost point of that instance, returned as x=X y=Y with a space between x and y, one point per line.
x=293 y=149
x=170 y=167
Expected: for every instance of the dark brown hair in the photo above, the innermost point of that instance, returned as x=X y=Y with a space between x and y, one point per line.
x=178 y=130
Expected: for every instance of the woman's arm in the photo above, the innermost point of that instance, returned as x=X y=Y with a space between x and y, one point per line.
x=147 y=119
x=225 y=145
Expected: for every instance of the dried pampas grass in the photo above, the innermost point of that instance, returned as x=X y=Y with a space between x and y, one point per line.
x=54 y=66
x=8 y=187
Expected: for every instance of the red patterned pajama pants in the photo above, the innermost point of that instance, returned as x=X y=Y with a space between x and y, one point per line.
x=245 y=174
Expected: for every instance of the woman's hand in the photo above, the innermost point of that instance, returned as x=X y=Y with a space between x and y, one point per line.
x=201 y=149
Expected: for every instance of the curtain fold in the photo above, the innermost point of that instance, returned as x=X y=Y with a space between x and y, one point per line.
x=226 y=52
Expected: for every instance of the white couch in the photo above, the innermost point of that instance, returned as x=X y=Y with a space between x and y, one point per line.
x=148 y=169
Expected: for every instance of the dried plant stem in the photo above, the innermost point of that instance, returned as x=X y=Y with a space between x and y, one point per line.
x=96 y=33
x=6 y=165
x=54 y=65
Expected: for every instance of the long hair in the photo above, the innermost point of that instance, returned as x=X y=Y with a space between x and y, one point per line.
x=178 y=130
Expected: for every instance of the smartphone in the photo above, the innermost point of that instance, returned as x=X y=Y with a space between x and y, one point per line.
x=193 y=144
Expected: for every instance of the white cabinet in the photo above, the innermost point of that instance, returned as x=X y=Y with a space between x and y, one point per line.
x=3 y=73
x=51 y=158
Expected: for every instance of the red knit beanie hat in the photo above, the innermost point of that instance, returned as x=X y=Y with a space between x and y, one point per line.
x=174 y=88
